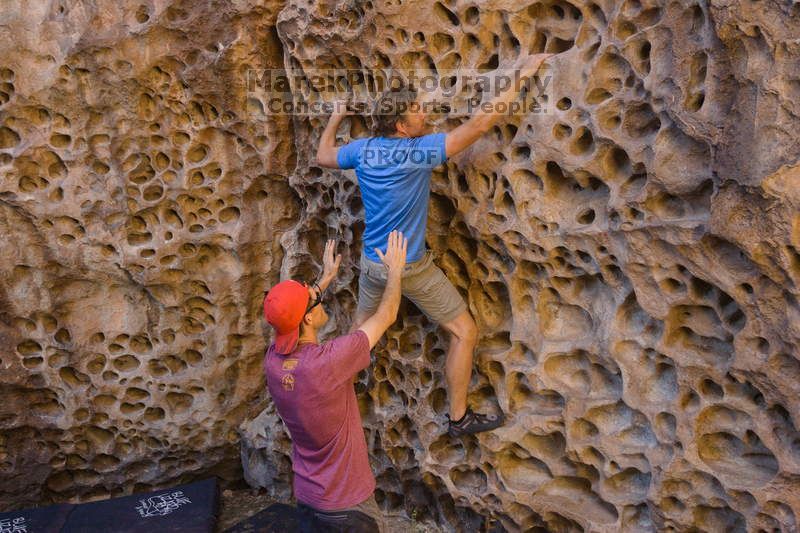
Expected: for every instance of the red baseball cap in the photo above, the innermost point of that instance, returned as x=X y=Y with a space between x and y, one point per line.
x=284 y=308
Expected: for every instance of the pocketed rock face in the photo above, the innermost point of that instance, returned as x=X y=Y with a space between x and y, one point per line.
x=142 y=210
x=632 y=257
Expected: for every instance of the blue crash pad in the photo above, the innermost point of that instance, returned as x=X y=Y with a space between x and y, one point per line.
x=40 y=520
x=190 y=508
x=280 y=518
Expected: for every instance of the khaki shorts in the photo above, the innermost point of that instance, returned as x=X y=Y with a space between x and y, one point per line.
x=424 y=283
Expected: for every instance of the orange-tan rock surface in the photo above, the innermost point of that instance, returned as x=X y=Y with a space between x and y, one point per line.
x=632 y=257
x=141 y=213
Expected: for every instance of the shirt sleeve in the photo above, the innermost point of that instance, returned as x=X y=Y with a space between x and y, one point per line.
x=348 y=155
x=433 y=146
x=347 y=356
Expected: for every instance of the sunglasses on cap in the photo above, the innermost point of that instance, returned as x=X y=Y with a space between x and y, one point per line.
x=317 y=298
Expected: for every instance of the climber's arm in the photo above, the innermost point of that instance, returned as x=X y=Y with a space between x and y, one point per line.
x=482 y=120
x=328 y=151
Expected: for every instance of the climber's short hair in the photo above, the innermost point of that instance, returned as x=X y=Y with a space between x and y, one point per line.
x=390 y=107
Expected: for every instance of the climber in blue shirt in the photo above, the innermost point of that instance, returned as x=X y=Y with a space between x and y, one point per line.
x=393 y=168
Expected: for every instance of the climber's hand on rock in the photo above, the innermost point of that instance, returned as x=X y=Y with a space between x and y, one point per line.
x=341 y=108
x=395 y=256
x=330 y=261
x=338 y=112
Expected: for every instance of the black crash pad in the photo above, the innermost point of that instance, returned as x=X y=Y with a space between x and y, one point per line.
x=279 y=517
x=41 y=520
x=190 y=508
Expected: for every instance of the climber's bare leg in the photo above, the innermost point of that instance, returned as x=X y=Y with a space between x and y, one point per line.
x=458 y=368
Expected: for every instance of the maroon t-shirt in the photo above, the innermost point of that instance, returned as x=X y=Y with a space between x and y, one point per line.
x=313 y=391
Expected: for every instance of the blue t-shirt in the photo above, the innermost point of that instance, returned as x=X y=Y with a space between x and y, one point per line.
x=394 y=175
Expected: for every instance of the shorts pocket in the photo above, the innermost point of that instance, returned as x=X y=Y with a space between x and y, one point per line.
x=373 y=270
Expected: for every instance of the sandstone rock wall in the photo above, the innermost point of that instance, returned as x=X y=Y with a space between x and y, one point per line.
x=632 y=258
x=141 y=213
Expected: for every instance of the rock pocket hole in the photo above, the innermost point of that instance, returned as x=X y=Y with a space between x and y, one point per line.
x=586 y=217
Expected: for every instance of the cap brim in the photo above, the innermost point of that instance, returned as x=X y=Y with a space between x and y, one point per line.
x=286 y=342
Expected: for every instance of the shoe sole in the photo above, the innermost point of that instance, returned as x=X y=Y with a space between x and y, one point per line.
x=460 y=432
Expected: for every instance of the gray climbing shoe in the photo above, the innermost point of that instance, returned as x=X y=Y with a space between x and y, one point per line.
x=473 y=423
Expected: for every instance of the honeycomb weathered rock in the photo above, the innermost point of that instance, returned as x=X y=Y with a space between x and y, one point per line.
x=632 y=258
x=141 y=209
